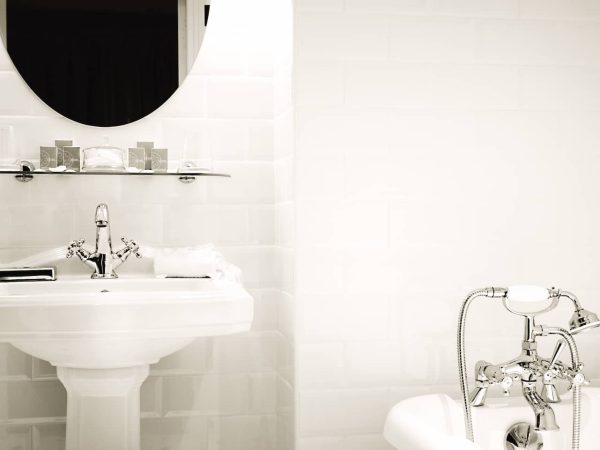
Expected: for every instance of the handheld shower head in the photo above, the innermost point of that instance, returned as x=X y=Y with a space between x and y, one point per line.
x=583 y=320
x=529 y=301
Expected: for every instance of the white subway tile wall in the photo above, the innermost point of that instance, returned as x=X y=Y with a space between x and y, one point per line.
x=441 y=145
x=284 y=227
x=225 y=393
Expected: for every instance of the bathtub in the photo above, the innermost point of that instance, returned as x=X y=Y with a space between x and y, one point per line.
x=435 y=422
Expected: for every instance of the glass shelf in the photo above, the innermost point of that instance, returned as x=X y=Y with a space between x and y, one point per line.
x=185 y=177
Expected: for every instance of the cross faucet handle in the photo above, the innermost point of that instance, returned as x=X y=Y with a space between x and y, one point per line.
x=506 y=384
x=132 y=245
x=73 y=246
x=579 y=379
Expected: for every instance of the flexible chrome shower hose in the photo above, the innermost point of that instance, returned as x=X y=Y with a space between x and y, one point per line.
x=462 y=359
x=576 y=388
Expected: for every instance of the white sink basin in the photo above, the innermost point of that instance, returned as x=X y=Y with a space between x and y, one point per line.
x=103 y=334
x=118 y=323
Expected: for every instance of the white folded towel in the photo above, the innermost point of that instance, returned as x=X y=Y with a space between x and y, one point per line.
x=193 y=262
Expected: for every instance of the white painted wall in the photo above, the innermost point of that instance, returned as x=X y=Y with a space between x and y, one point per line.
x=441 y=146
x=217 y=394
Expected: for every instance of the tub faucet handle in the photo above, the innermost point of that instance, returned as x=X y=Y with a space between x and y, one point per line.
x=506 y=384
x=560 y=346
x=479 y=393
x=579 y=379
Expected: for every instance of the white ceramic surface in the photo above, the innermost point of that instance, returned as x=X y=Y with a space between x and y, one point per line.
x=103 y=334
x=97 y=324
x=435 y=422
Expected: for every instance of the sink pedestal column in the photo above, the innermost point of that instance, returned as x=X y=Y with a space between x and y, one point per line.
x=103 y=407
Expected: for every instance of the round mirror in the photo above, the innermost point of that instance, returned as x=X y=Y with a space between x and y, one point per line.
x=107 y=62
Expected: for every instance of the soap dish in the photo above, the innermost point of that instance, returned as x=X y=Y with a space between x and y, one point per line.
x=190 y=167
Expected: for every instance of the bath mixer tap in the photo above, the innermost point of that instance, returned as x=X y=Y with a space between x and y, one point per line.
x=103 y=259
x=528 y=368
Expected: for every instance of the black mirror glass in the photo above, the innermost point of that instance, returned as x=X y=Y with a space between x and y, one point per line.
x=103 y=62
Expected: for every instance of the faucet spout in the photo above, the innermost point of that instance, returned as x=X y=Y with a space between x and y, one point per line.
x=103 y=238
x=544 y=414
x=102 y=215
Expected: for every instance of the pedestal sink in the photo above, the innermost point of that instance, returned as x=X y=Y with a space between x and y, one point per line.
x=102 y=335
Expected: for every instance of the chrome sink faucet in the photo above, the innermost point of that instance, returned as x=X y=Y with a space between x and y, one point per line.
x=103 y=260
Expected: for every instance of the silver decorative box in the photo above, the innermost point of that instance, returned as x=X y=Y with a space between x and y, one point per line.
x=60 y=145
x=48 y=158
x=137 y=158
x=147 y=146
x=72 y=158
x=160 y=159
